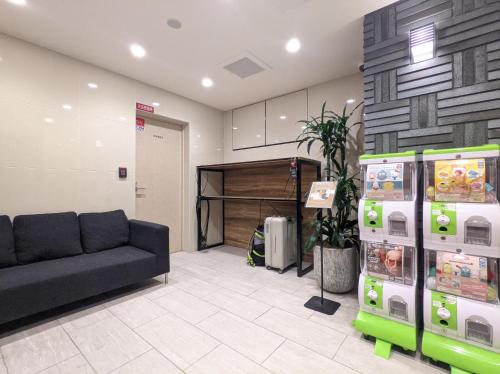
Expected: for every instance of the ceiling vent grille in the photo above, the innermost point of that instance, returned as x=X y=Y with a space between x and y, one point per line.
x=245 y=67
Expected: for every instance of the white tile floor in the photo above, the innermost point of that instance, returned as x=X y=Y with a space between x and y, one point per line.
x=217 y=315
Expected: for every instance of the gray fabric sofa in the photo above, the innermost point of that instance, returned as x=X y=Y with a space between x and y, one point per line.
x=48 y=260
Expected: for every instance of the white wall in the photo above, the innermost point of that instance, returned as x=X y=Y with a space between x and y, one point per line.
x=334 y=92
x=71 y=163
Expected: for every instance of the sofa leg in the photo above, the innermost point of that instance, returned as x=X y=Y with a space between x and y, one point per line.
x=166 y=278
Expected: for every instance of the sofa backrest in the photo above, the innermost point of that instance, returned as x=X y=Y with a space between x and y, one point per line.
x=7 y=249
x=100 y=231
x=41 y=237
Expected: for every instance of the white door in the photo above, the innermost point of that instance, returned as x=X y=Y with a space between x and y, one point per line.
x=159 y=177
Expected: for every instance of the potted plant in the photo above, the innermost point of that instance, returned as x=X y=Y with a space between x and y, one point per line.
x=338 y=228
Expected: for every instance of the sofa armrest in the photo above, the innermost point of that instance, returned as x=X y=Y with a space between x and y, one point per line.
x=153 y=238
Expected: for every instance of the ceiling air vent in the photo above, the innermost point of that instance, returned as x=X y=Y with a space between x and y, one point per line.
x=245 y=67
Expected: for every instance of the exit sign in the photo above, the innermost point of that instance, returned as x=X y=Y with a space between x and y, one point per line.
x=144 y=107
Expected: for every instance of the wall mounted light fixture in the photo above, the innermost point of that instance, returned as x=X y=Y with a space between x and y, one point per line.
x=422 y=43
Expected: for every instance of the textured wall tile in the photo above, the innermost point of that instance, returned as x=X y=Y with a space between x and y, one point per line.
x=450 y=100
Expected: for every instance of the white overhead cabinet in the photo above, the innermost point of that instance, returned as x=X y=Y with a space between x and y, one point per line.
x=282 y=115
x=249 y=126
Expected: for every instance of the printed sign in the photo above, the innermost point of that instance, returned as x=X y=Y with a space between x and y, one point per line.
x=448 y=302
x=443 y=219
x=373 y=214
x=376 y=286
x=139 y=124
x=321 y=195
x=385 y=181
x=462 y=275
x=145 y=108
x=460 y=180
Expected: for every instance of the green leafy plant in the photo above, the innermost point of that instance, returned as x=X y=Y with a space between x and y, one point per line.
x=339 y=227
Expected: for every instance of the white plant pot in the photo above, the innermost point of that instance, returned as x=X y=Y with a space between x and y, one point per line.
x=339 y=269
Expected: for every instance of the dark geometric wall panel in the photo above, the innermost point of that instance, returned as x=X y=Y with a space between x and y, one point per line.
x=451 y=100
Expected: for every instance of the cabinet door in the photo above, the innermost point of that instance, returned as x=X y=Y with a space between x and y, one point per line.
x=282 y=116
x=249 y=126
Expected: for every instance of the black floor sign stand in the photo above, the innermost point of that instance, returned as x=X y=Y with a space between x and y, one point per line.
x=322 y=196
x=320 y=304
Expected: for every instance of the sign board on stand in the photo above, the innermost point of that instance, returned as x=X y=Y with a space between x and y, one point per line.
x=322 y=196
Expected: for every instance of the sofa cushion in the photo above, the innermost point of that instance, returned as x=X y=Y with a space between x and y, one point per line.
x=41 y=237
x=101 y=231
x=45 y=285
x=7 y=251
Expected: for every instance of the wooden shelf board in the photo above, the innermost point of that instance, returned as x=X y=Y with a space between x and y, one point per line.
x=267 y=198
x=257 y=164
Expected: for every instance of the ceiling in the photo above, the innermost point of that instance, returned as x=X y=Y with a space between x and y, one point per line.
x=213 y=34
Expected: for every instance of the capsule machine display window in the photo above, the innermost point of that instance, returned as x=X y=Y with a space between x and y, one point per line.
x=398 y=225
x=478 y=231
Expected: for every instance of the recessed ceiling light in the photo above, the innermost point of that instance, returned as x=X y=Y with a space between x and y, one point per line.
x=49 y=120
x=92 y=85
x=293 y=45
x=235 y=128
x=137 y=50
x=303 y=127
x=174 y=23
x=198 y=136
x=122 y=118
x=207 y=82
x=350 y=101
x=258 y=135
x=67 y=107
x=17 y=2
x=282 y=117
x=156 y=104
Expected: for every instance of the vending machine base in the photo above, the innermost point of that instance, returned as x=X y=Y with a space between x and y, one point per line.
x=462 y=357
x=387 y=333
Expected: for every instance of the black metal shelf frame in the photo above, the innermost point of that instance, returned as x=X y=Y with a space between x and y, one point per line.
x=298 y=201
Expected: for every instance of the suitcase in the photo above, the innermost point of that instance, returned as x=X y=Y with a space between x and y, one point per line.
x=280 y=242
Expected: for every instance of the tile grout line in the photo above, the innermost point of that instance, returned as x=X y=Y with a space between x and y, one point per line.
x=248 y=297
x=340 y=346
x=129 y=361
x=205 y=355
x=243 y=354
x=124 y=326
x=61 y=362
x=300 y=343
x=77 y=347
x=195 y=326
x=182 y=318
x=270 y=354
x=260 y=315
x=142 y=324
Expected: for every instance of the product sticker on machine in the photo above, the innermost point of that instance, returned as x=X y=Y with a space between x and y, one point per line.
x=384 y=260
x=385 y=181
x=460 y=180
x=462 y=275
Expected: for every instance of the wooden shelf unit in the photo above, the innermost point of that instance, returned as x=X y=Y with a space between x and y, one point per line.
x=251 y=191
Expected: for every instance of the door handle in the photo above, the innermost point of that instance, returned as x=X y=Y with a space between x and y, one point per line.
x=137 y=188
